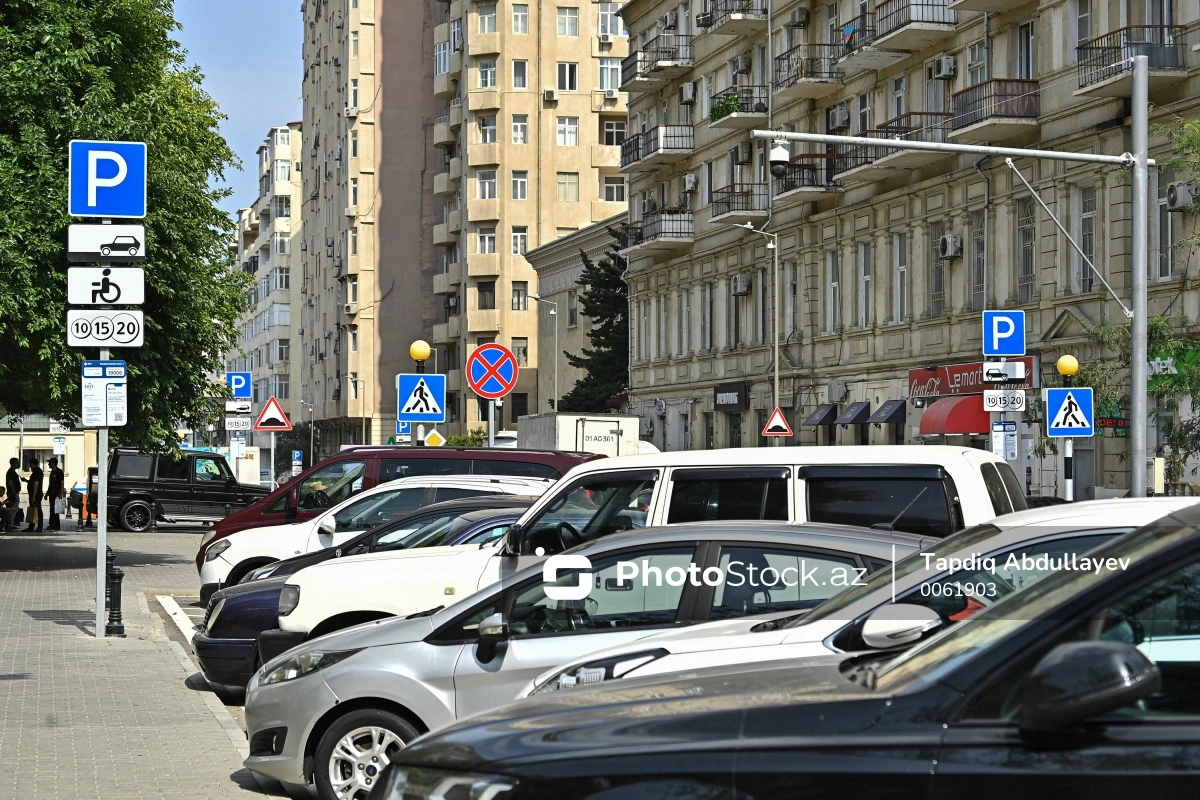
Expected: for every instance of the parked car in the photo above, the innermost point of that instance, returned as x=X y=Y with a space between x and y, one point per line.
x=921 y=595
x=1081 y=686
x=195 y=486
x=355 y=469
x=378 y=686
x=225 y=641
x=227 y=561
x=930 y=491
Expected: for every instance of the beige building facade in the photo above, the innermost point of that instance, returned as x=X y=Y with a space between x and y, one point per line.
x=886 y=258
x=530 y=121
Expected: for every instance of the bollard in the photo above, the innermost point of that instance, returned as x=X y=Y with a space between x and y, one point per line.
x=110 y=559
x=115 y=627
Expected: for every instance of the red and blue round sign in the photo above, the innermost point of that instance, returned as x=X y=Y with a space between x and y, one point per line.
x=492 y=371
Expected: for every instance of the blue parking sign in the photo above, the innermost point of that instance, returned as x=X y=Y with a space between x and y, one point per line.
x=106 y=179
x=297 y=456
x=239 y=385
x=1004 y=334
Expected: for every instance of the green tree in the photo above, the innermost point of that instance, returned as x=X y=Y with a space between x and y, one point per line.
x=474 y=438
x=108 y=69
x=605 y=301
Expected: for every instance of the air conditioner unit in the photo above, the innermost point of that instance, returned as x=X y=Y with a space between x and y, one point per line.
x=742 y=65
x=689 y=182
x=550 y=95
x=669 y=21
x=611 y=94
x=340 y=22
x=950 y=246
x=337 y=62
x=745 y=153
x=945 y=68
x=740 y=284
x=351 y=211
x=799 y=18
x=606 y=38
x=452 y=302
x=838 y=118
x=351 y=112
x=312 y=301
x=1180 y=195
x=704 y=20
x=687 y=94
x=350 y=308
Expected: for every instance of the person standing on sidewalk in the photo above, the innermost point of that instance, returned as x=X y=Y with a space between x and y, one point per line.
x=12 y=488
x=35 y=486
x=55 y=493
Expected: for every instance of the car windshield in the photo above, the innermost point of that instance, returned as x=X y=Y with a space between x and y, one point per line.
x=933 y=658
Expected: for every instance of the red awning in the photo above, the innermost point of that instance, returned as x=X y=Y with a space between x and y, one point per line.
x=962 y=414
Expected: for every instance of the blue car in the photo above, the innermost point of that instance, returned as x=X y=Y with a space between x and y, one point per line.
x=225 y=642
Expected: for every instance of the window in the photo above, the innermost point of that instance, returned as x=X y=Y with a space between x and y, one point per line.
x=572 y=308
x=281 y=243
x=976 y=63
x=613 y=132
x=520 y=72
x=764 y=310
x=352 y=289
x=643 y=349
x=441 y=58
x=354 y=44
x=864 y=284
x=568 y=187
x=332 y=484
x=595 y=506
x=708 y=318
x=520 y=184
x=520 y=349
x=568 y=76
x=664 y=324
x=354 y=191
x=520 y=243
x=281 y=206
x=487 y=19
x=485 y=180
x=487 y=74
x=1083 y=20
x=568 y=21
x=518 y=404
x=354 y=92
x=899 y=277
x=1026 y=263
x=899 y=90
x=685 y=322
x=283 y=137
x=520 y=128
x=978 y=256
x=282 y=169
x=610 y=73
x=833 y=297
x=172 y=470
x=354 y=241
x=520 y=16
x=1166 y=229
x=708 y=495
x=1087 y=236
x=354 y=144
x=486 y=240
x=850 y=500
x=937 y=272
x=568 y=131
x=487 y=129
x=520 y=289
x=776 y=584
x=281 y=278
x=353 y=338
x=487 y=295
x=1025 y=55
x=211 y=470
x=610 y=22
x=614 y=189
x=863 y=116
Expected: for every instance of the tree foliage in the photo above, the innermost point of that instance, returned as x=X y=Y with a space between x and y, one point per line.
x=108 y=69
x=1183 y=134
x=475 y=438
x=604 y=299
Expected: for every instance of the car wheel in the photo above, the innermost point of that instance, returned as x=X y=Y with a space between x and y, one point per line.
x=355 y=749
x=106 y=251
x=136 y=516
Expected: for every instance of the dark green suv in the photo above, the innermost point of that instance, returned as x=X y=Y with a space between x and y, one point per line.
x=198 y=486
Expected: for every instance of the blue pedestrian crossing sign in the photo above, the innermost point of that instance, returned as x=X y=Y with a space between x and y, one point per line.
x=420 y=398
x=1070 y=412
x=106 y=179
x=1004 y=334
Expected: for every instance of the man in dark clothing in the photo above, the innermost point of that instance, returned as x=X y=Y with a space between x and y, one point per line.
x=12 y=491
x=54 y=492
x=36 y=492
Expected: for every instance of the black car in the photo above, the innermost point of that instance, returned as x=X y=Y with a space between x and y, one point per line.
x=195 y=486
x=226 y=641
x=1083 y=685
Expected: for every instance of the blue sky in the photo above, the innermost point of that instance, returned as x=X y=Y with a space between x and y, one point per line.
x=249 y=52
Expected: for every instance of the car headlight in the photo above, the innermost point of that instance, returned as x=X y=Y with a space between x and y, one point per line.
x=415 y=783
x=217 y=549
x=593 y=672
x=212 y=618
x=297 y=666
x=289 y=598
x=261 y=572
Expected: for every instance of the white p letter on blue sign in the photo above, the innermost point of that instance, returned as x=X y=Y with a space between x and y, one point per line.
x=1004 y=333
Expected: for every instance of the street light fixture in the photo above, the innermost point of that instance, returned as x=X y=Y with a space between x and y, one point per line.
x=419 y=351
x=773 y=246
x=553 y=313
x=1067 y=366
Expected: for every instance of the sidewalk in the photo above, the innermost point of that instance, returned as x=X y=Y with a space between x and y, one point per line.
x=112 y=718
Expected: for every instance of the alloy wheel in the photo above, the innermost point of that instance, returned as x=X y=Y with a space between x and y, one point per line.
x=358 y=758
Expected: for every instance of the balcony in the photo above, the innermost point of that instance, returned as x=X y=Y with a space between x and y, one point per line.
x=447 y=282
x=454 y=380
x=662 y=144
x=449 y=331
x=442 y=236
x=738 y=17
x=664 y=58
x=454 y=221
x=605 y=156
x=456 y=112
x=455 y=168
x=444 y=184
x=914 y=126
x=442 y=132
x=912 y=24
x=739 y=203
x=658 y=231
x=995 y=110
x=482 y=154
x=858 y=163
x=485 y=320
x=739 y=107
x=484 y=44
x=456 y=64
x=483 y=99
x=858 y=48
x=1104 y=68
x=483 y=210
x=444 y=86
x=807 y=71
x=806 y=177
x=483 y=265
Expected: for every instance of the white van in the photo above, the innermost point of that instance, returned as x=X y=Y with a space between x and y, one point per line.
x=927 y=490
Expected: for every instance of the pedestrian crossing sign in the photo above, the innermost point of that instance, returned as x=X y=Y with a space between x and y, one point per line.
x=1070 y=412
x=420 y=398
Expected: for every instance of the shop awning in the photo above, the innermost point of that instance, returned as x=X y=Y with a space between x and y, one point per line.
x=951 y=415
x=855 y=414
x=823 y=414
x=891 y=412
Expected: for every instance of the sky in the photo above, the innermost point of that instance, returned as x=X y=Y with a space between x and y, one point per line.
x=249 y=52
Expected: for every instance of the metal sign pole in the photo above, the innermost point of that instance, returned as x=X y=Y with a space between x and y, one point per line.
x=1139 y=357
x=101 y=520
x=271 y=468
x=491 y=423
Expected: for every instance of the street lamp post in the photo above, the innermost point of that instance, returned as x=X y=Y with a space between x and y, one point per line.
x=1067 y=367
x=554 y=315
x=419 y=351
x=773 y=246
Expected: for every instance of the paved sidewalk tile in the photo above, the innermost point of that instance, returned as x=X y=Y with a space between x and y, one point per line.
x=111 y=718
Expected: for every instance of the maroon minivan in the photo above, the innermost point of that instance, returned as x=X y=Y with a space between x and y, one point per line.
x=354 y=469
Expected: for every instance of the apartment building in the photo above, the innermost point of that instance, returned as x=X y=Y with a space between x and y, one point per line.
x=366 y=288
x=264 y=246
x=530 y=122
x=886 y=257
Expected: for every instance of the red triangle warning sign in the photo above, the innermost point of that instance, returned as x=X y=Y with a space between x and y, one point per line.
x=777 y=425
x=272 y=418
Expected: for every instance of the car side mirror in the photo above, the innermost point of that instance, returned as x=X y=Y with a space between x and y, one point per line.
x=1079 y=680
x=512 y=541
x=492 y=631
x=327 y=525
x=898 y=625
x=231 y=482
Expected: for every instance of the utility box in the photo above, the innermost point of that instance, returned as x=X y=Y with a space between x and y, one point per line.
x=605 y=434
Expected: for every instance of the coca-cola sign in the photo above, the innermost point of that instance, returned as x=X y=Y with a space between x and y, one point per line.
x=966 y=378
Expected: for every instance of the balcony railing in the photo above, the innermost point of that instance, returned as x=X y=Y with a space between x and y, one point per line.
x=892 y=15
x=662 y=224
x=809 y=171
x=668 y=137
x=660 y=52
x=634 y=66
x=1009 y=98
x=748 y=99
x=1109 y=55
x=631 y=150
x=722 y=10
x=739 y=197
x=852 y=156
x=915 y=126
x=857 y=33
x=806 y=62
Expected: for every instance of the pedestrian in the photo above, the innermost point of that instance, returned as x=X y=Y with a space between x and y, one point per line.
x=56 y=493
x=12 y=487
x=36 y=489
x=7 y=513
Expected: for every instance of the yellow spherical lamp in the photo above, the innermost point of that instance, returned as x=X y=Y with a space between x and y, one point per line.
x=420 y=350
x=1067 y=366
